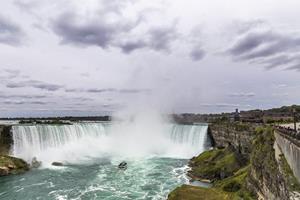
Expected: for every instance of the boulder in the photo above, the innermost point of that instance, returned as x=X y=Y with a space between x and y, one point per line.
x=57 y=164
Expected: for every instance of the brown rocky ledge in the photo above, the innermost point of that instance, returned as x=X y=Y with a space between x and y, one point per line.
x=11 y=165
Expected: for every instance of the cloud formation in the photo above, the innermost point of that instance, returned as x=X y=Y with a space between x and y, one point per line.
x=10 y=32
x=197 y=53
x=268 y=47
x=242 y=94
x=35 y=84
x=114 y=90
x=109 y=27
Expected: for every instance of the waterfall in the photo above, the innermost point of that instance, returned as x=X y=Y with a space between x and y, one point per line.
x=82 y=141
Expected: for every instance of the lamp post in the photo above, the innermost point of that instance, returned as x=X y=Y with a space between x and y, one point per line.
x=294 y=116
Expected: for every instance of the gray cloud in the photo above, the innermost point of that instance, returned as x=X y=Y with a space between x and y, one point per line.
x=224 y=105
x=21 y=102
x=269 y=48
x=197 y=51
x=197 y=54
x=3 y=96
x=34 y=84
x=120 y=33
x=131 y=46
x=241 y=94
x=161 y=37
x=95 y=90
x=9 y=74
x=10 y=33
x=88 y=33
x=100 y=90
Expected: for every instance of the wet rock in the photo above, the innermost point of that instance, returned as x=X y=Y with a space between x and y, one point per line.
x=35 y=163
x=4 y=171
x=57 y=164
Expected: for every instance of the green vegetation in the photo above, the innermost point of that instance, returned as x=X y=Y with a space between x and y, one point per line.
x=188 y=192
x=291 y=180
x=236 y=185
x=263 y=154
x=239 y=126
x=232 y=188
x=224 y=169
x=285 y=109
x=10 y=165
x=215 y=164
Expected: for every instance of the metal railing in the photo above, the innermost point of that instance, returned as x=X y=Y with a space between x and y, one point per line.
x=289 y=131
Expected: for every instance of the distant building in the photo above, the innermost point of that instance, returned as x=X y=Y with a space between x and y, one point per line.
x=237 y=115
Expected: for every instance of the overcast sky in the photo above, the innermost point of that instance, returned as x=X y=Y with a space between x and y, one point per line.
x=92 y=57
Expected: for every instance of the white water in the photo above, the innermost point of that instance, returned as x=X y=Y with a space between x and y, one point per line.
x=82 y=142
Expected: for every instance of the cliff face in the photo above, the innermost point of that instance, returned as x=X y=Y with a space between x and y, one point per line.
x=9 y=165
x=265 y=177
x=238 y=135
x=5 y=139
x=290 y=147
x=269 y=175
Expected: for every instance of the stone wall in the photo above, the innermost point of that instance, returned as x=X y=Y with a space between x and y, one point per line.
x=291 y=150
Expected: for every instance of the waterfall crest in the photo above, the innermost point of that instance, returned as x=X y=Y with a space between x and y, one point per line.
x=82 y=141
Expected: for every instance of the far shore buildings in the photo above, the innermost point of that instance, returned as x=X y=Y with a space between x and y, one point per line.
x=260 y=116
x=281 y=115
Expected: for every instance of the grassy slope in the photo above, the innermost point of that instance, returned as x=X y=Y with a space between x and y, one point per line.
x=209 y=165
x=187 y=192
x=214 y=164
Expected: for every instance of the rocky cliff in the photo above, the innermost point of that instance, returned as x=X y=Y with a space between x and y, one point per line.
x=9 y=165
x=5 y=139
x=265 y=178
x=265 y=174
x=239 y=135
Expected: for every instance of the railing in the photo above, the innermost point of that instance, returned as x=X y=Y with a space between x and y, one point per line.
x=289 y=131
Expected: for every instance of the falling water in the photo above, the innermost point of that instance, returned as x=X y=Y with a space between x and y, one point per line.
x=157 y=155
x=77 y=142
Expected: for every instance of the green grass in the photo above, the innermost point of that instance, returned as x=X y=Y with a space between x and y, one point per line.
x=215 y=164
x=188 y=192
x=236 y=185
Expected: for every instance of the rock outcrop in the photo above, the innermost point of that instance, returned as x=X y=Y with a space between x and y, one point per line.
x=6 y=139
x=236 y=134
x=10 y=165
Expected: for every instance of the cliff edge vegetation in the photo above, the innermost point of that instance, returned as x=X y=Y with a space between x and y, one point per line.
x=221 y=167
